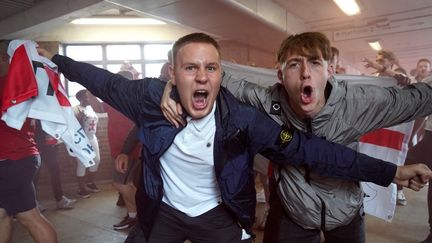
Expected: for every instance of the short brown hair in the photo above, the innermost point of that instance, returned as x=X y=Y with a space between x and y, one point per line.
x=423 y=60
x=388 y=55
x=307 y=43
x=193 y=38
x=80 y=94
x=127 y=74
x=334 y=52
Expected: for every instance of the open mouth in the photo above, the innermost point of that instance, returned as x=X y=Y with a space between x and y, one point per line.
x=306 y=94
x=200 y=99
x=307 y=90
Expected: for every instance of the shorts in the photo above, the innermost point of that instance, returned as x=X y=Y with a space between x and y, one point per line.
x=17 y=192
x=132 y=173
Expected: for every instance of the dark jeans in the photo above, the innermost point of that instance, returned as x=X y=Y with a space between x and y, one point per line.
x=48 y=157
x=173 y=226
x=280 y=228
x=421 y=154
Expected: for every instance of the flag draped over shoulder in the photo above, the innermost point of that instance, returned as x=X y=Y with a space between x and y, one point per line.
x=33 y=89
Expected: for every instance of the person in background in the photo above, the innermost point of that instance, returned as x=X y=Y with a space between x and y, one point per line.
x=88 y=120
x=126 y=66
x=19 y=161
x=423 y=69
x=118 y=128
x=127 y=164
x=386 y=65
x=335 y=61
x=47 y=148
x=424 y=128
x=164 y=72
x=124 y=150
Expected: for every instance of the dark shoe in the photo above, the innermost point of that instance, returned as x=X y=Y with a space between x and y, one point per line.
x=135 y=235
x=120 y=201
x=83 y=193
x=428 y=239
x=92 y=187
x=126 y=223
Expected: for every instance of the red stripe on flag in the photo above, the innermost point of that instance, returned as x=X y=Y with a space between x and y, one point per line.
x=385 y=138
x=21 y=83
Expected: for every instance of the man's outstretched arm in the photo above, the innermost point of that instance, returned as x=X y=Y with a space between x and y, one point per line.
x=326 y=158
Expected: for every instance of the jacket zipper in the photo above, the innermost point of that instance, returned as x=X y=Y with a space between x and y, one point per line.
x=309 y=130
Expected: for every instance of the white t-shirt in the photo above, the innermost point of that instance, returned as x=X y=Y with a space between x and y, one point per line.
x=187 y=168
x=89 y=119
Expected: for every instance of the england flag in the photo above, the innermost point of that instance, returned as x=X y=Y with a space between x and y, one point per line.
x=33 y=89
x=389 y=144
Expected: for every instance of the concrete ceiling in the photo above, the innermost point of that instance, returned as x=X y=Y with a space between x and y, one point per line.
x=402 y=26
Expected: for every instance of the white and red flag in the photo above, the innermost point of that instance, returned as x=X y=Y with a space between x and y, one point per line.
x=389 y=144
x=33 y=89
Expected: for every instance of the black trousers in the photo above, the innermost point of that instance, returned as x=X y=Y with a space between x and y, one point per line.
x=49 y=158
x=173 y=226
x=421 y=154
x=280 y=228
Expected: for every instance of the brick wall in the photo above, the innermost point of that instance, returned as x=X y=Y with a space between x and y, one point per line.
x=68 y=163
x=239 y=53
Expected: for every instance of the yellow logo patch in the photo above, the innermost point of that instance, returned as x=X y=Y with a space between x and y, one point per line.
x=285 y=136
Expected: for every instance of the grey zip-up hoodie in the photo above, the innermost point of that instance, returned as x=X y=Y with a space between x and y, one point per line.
x=351 y=110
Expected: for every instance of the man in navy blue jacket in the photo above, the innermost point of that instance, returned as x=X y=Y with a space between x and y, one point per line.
x=198 y=182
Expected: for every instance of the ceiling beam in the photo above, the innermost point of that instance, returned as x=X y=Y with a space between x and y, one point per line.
x=42 y=17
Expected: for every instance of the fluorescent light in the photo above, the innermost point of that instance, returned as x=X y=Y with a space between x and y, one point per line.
x=117 y=21
x=349 y=7
x=375 y=45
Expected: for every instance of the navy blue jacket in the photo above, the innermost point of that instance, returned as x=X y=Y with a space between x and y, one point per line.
x=241 y=132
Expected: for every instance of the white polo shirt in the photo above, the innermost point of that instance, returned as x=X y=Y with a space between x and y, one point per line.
x=187 y=168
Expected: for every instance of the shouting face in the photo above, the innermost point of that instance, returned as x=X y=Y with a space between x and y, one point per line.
x=197 y=74
x=305 y=78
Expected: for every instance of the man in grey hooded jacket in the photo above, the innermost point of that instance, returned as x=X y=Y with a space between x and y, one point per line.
x=310 y=99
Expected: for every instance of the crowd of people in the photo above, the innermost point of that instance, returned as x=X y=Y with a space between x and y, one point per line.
x=199 y=132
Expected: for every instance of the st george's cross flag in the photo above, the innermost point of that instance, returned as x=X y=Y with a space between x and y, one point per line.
x=33 y=90
x=389 y=144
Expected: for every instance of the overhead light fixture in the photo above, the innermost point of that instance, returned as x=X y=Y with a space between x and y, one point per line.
x=117 y=21
x=349 y=7
x=375 y=45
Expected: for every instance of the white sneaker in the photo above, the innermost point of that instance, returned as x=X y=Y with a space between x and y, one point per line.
x=40 y=206
x=65 y=203
x=401 y=199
